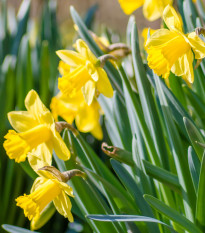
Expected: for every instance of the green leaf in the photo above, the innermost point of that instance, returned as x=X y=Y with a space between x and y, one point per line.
x=122 y=122
x=44 y=73
x=147 y=101
x=195 y=101
x=14 y=229
x=27 y=168
x=172 y=214
x=24 y=76
x=140 y=169
x=136 y=117
x=178 y=154
x=177 y=110
x=200 y=205
x=126 y=204
x=194 y=167
x=176 y=87
x=85 y=192
x=163 y=176
x=194 y=135
x=23 y=16
x=118 y=154
x=113 y=131
x=134 y=191
x=127 y=218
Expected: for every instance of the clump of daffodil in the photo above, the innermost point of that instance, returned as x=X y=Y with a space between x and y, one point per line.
x=86 y=116
x=33 y=127
x=86 y=73
x=46 y=188
x=171 y=50
x=152 y=9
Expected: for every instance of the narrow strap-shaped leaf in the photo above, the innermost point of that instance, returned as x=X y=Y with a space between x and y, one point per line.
x=200 y=204
x=127 y=218
x=181 y=162
x=113 y=131
x=97 y=166
x=146 y=99
x=124 y=202
x=163 y=176
x=23 y=16
x=134 y=191
x=14 y=229
x=137 y=116
x=172 y=214
x=140 y=169
x=178 y=111
x=85 y=193
x=122 y=122
x=195 y=101
x=195 y=136
x=194 y=167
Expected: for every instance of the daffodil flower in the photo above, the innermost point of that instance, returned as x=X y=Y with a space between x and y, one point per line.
x=86 y=116
x=171 y=50
x=45 y=189
x=86 y=74
x=33 y=127
x=152 y=9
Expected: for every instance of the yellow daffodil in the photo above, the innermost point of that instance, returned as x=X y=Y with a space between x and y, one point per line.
x=33 y=127
x=152 y=9
x=86 y=74
x=171 y=50
x=86 y=116
x=45 y=189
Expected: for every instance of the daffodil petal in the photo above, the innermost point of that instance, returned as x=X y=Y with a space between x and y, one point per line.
x=37 y=183
x=84 y=50
x=71 y=58
x=160 y=37
x=172 y=19
x=21 y=120
x=60 y=147
x=97 y=132
x=88 y=91
x=65 y=110
x=40 y=157
x=183 y=67
x=103 y=84
x=66 y=188
x=197 y=45
x=152 y=9
x=128 y=6
x=36 y=108
x=92 y=71
x=63 y=206
x=63 y=68
x=86 y=119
